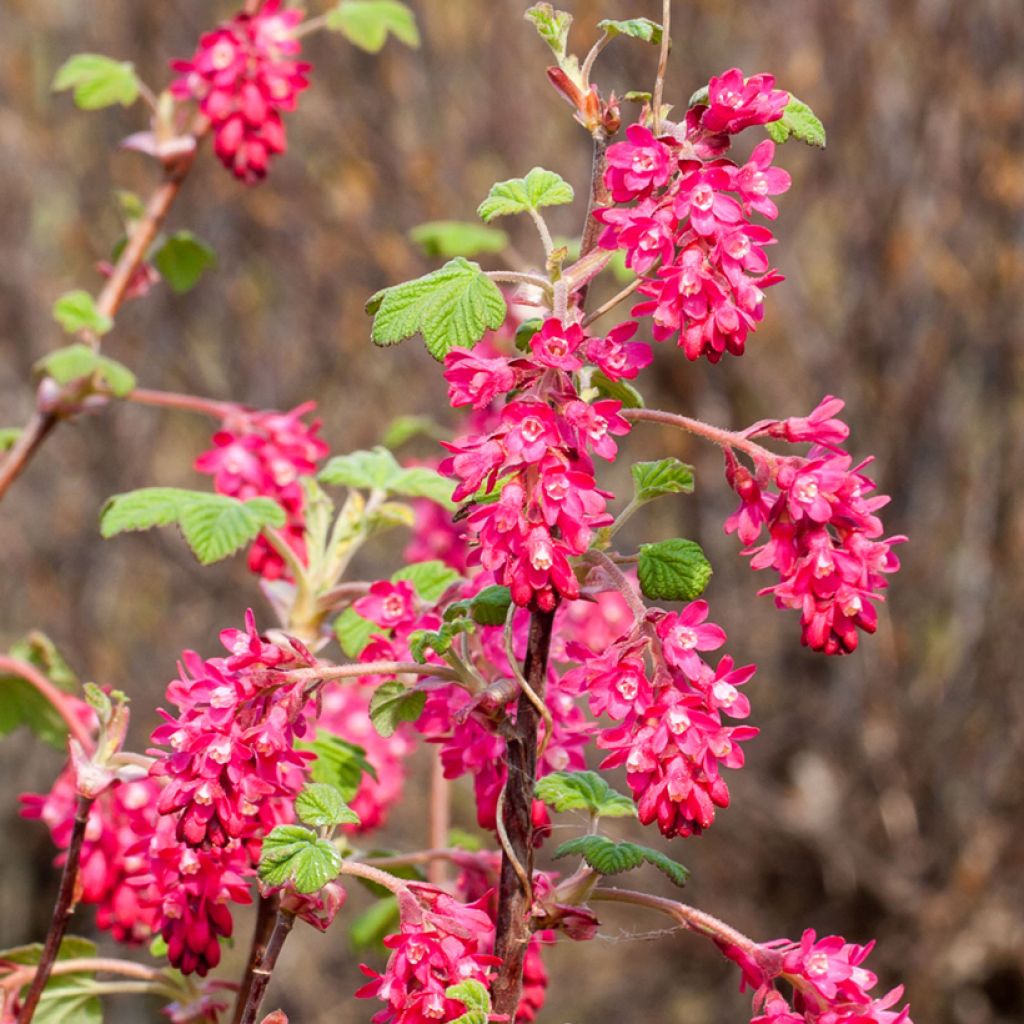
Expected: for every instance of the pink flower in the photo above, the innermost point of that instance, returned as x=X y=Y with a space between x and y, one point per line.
x=735 y=103
x=476 y=381
x=616 y=356
x=685 y=633
x=637 y=166
x=243 y=77
x=756 y=180
x=554 y=345
x=387 y=604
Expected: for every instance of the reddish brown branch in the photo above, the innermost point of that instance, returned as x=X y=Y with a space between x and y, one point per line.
x=266 y=916
x=62 y=912
x=261 y=974
x=513 y=928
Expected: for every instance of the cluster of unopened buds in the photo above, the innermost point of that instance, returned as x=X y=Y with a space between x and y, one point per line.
x=244 y=75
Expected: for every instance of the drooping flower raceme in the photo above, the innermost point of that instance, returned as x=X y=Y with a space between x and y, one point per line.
x=263 y=454
x=244 y=75
x=683 y=212
x=824 y=535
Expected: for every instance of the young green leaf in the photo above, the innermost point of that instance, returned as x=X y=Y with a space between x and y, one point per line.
x=475 y=997
x=98 y=81
x=338 y=763
x=392 y=703
x=22 y=704
x=354 y=632
x=452 y=308
x=366 y=23
x=621 y=390
x=552 y=26
x=423 y=482
x=608 y=857
x=321 y=805
x=798 y=121
x=429 y=579
x=644 y=29
x=423 y=641
x=67 y=998
x=213 y=525
x=490 y=606
x=371 y=928
x=666 y=476
x=76 y=311
x=517 y=195
x=450 y=238
x=368 y=470
x=182 y=259
x=73 y=362
x=673 y=570
x=296 y=857
x=584 y=791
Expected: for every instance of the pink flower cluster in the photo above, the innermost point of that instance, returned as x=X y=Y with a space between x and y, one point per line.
x=232 y=761
x=263 y=454
x=244 y=76
x=117 y=819
x=830 y=985
x=537 y=459
x=824 y=536
x=683 y=217
x=673 y=740
x=442 y=942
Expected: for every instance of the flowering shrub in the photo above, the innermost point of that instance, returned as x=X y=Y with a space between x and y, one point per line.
x=519 y=643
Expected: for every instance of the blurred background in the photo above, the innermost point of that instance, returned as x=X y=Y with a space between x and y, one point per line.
x=884 y=797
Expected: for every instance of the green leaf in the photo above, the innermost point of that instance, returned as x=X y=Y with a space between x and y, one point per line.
x=22 y=704
x=666 y=476
x=700 y=98
x=490 y=606
x=338 y=763
x=608 y=857
x=449 y=238
x=422 y=482
x=620 y=390
x=366 y=23
x=321 y=805
x=368 y=470
x=213 y=525
x=673 y=570
x=423 y=641
x=429 y=579
x=392 y=703
x=76 y=361
x=354 y=632
x=182 y=259
x=526 y=331
x=405 y=428
x=644 y=29
x=98 y=81
x=76 y=311
x=370 y=928
x=296 y=857
x=463 y=840
x=798 y=121
x=67 y=998
x=584 y=791
x=517 y=195
x=552 y=26
x=451 y=307
x=9 y=437
x=475 y=997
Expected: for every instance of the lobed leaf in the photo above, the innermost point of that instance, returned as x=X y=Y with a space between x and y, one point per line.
x=584 y=791
x=182 y=259
x=673 y=570
x=367 y=23
x=296 y=857
x=98 y=81
x=644 y=29
x=552 y=26
x=337 y=762
x=354 y=632
x=73 y=362
x=666 y=476
x=392 y=703
x=799 y=122
x=321 y=805
x=475 y=997
x=517 y=195
x=429 y=579
x=76 y=311
x=608 y=857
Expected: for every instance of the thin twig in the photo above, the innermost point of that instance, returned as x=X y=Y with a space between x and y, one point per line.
x=440 y=820
x=187 y=403
x=261 y=974
x=62 y=911
x=266 y=916
x=666 y=42
x=608 y=306
x=723 y=438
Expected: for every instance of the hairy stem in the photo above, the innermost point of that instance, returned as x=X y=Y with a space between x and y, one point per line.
x=369 y=668
x=188 y=403
x=723 y=438
x=261 y=973
x=515 y=898
x=57 y=698
x=62 y=912
x=440 y=820
x=614 y=301
x=266 y=915
x=32 y=435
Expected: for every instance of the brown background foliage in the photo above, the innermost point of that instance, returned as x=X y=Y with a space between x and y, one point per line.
x=884 y=795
